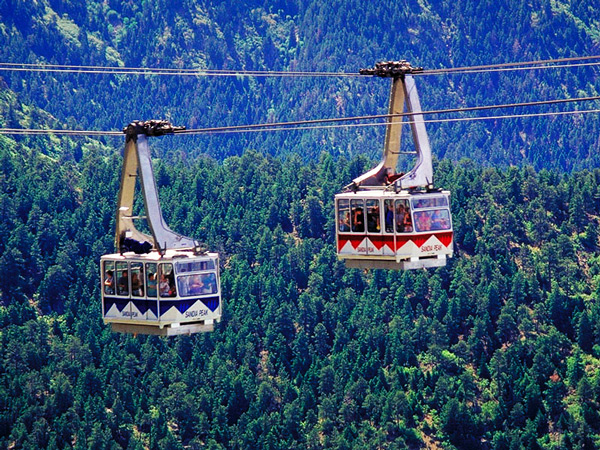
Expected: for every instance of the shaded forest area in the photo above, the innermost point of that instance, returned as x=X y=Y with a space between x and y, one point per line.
x=500 y=349
x=308 y=35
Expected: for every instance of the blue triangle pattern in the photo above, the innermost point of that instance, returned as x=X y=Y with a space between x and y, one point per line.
x=181 y=305
x=144 y=305
x=120 y=303
x=211 y=303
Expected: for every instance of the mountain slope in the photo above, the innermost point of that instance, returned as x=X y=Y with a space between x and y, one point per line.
x=314 y=36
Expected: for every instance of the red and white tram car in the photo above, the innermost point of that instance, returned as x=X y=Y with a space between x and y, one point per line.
x=386 y=220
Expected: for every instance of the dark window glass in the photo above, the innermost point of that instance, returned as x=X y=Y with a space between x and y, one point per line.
x=343 y=215
x=109 y=278
x=137 y=279
x=358 y=215
x=373 y=216
x=403 y=218
x=388 y=215
x=166 y=281
x=151 y=280
x=123 y=278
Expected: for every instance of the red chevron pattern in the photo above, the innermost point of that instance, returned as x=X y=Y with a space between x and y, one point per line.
x=379 y=241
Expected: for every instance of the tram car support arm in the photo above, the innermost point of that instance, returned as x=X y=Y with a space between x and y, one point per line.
x=137 y=164
x=403 y=93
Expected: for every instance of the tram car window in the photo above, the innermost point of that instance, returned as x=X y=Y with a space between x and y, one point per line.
x=403 y=217
x=344 y=216
x=137 y=279
x=109 y=278
x=194 y=266
x=196 y=284
x=373 y=216
x=151 y=280
x=358 y=215
x=166 y=284
x=122 y=273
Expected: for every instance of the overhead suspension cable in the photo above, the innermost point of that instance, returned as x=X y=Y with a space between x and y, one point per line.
x=38 y=131
x=25 y=131
x=382 y=116
x=63 y=68
x=322 y=123
x=514 y=66
x=80 y=69
x=458 y=119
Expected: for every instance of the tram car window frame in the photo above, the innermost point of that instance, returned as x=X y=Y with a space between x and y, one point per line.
x=152 y=280
x=373 y=215
x=136 y=270
x=122 y=274
x=108 y=280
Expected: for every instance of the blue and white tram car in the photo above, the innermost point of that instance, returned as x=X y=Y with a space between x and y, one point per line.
x=176 y=293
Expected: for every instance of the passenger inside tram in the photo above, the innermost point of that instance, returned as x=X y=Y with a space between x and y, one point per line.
x=166 y=289
x=210 y=283
x=196 y=285
x=373 y=220
x=344 y=221
x=403 y=220
x=400 y=217
x=440 y=220
x=423 y=219
x=136 y=285
x=358 y=221
x=389 y=216
x=408 y=228
x=123 y=284
x=109 y=283
x=151 y=285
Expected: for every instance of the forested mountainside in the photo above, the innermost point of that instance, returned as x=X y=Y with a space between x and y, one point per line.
x=500 y=349
x=302 y=35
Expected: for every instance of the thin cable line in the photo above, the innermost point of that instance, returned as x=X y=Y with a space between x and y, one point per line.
x=18 y=67
x=384 y=116
x=504 y=65
x=458 y=119
x=34 y=131
x=27 y=67
x=224 y=130
x=507 y=69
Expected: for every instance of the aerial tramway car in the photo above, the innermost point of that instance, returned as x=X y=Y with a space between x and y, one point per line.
x=163 y=283
x=396 y=221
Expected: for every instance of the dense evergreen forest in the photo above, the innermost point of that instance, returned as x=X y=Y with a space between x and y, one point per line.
x=500 y=349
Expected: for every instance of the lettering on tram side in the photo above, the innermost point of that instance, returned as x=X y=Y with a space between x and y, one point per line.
x=364 y=250
x=431 y=248
x=130 y=314
x=202 y=312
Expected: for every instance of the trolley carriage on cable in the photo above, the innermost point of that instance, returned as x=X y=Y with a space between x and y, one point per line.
x=163 y=283
x=396 y=221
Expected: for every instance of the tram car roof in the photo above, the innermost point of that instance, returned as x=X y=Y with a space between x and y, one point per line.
x=384 y=193
x=154 y=256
